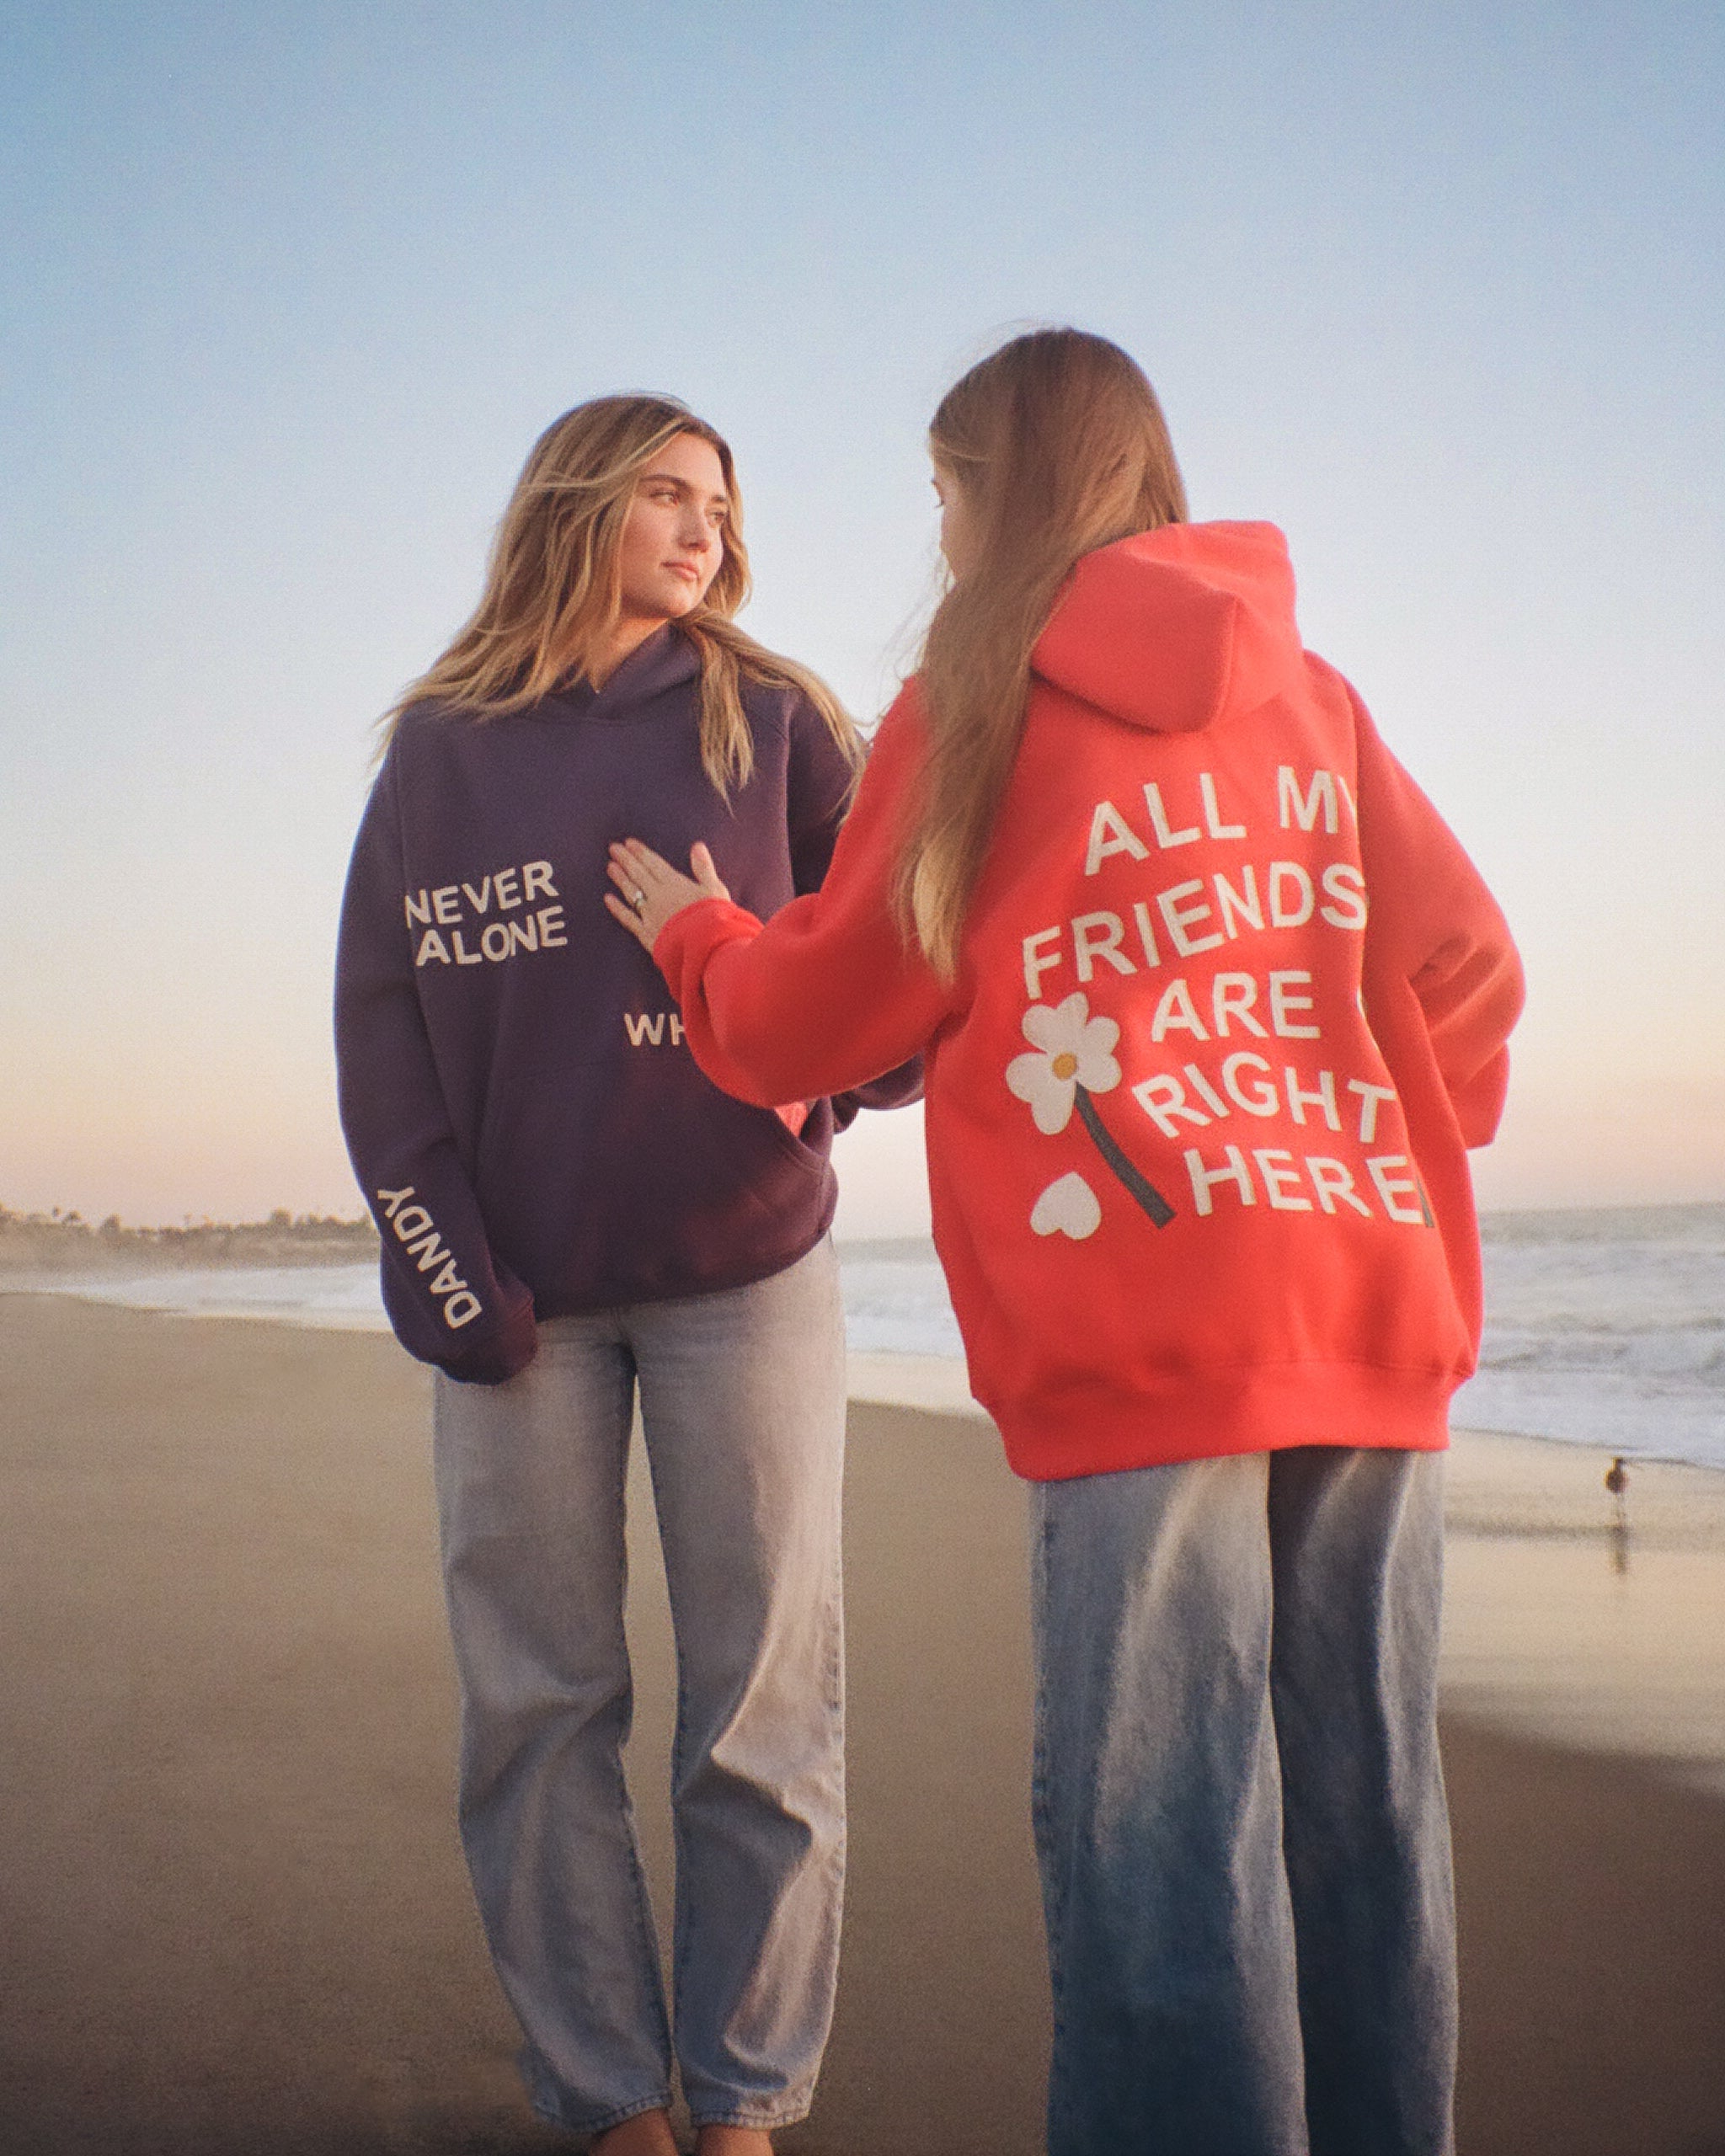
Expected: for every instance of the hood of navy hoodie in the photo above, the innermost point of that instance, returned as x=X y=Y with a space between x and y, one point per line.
x=1178 y=629
x=657 y=664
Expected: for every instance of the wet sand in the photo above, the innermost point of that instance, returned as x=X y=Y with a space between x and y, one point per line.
x=234 y=1914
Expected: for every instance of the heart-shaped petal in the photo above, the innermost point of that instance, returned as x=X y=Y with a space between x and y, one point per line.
x=1031 y=1078
x=1067 y=1208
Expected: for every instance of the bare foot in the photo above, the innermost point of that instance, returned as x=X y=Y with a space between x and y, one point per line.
x=732 y=2141
x=647 y=2134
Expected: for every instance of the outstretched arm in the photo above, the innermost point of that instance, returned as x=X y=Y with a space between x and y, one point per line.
x=826 y=997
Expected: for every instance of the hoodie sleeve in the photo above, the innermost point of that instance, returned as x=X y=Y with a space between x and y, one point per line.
x=820 y=784
x=1437 y=936
x=825 y=998
x=449 y=1300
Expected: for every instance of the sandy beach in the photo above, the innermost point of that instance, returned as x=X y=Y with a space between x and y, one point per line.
x=234 y=1910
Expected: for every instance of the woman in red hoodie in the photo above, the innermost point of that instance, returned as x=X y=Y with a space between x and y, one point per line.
x=1213 y=1004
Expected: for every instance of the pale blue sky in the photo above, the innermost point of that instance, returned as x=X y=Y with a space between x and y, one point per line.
x=288 y=291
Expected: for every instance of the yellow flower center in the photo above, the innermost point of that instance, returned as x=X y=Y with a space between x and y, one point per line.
x=1064 y=1065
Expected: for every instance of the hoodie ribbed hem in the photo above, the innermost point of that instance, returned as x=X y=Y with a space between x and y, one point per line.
x=1102 y=1427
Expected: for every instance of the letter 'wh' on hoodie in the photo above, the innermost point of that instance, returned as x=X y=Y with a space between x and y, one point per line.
x=1231 y=1003
x=524 y=1115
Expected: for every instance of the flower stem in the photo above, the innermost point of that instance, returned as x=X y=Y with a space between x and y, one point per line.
x=1146 y=1194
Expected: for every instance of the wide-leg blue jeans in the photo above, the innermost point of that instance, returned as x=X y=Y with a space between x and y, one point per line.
x=743 y=1407
x=1239 y=1807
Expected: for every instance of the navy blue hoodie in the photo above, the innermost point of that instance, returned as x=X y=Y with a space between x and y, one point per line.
x=523 y=1114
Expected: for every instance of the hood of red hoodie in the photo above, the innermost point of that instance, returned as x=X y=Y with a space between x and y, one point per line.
x=1177 y=628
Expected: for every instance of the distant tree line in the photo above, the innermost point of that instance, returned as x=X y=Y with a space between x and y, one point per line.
x=63 y=1242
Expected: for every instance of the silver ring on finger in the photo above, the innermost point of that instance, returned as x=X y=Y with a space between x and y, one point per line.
x=638 y=900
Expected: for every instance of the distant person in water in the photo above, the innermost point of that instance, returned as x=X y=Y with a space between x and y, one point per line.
x=1213 y=1004
x=574 y=1219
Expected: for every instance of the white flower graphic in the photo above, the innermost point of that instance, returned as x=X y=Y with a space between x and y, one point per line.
x=1069 y=1050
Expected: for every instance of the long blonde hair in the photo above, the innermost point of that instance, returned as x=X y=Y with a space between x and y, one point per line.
x=1058 y=446
x=553 y=587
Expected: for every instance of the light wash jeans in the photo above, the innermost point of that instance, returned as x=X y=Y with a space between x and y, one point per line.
x=1239 y=1813
x=743 y=1405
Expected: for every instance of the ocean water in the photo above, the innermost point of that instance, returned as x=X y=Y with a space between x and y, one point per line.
x=332 y=1298
x=1605 y=1328
x=1602 y=1328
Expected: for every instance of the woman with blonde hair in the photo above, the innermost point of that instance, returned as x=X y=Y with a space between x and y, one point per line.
x=572 y=1217
x=1212 y=1004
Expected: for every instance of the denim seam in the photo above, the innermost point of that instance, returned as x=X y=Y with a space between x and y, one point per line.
x=764 y=2122
x=1041 y=1799
x=646 y=1940
x=619 y=2114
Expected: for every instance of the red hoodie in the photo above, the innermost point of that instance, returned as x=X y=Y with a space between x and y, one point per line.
x=1231 y=1003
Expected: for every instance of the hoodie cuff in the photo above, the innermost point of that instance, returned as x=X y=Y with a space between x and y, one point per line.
x=691 y=936
x=505 y=1354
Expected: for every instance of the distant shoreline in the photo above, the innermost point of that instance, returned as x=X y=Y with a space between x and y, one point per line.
x=64 y=1242
x=1602 y=1324
x=930 y=1385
